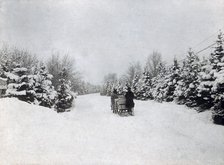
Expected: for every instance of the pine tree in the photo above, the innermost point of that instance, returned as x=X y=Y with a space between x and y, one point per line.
x=145 y=92
x=185 y=91
x=209 y=77
x=119 y=87
x=217 y=61
x=158 y=83
x=193 y=68
x=64 y=99
x=205 y=94
x=181 y=86
x=20 y=84
x=6 y=65
x=45 y=93
x=173 y=78
x=135 y=87
x=109 y=88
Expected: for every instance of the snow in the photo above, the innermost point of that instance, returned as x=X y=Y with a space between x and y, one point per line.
x=20 y=69
x=158 y=134
x=3 y=79
x=15 y=93
x=12 y=76
x=3 y=87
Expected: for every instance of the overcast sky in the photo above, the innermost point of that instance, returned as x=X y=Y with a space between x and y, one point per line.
x=106 y=35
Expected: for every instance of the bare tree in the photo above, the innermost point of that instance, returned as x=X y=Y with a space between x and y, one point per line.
x=111 y=77
x=153 y=62
x=24 y=57
x=133 y=70
x=123 y=79
x=54 y=67
x=56 y=63
x=109 y=82
x=20 y=56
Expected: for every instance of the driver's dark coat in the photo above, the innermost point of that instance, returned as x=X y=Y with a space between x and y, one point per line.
x=129 y=99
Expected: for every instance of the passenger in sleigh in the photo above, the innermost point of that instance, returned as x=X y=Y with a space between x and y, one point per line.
x=129 y=96
x=114 y=96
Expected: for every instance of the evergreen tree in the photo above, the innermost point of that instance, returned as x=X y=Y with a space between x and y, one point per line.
x=109 y=88
x=207 y=88
x=4 y=63
x=158 y=83
x=205 y=94
x=120 y=88
x=20 y=84
x=145 y=92
x=193 y=68
x=45 y=93
x=64 y=99
x=173 y=78
x=135 y=87
x=181 y=86
x=185 y=91
x=218 y=88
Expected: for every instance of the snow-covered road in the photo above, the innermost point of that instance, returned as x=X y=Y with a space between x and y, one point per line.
x=160 y=134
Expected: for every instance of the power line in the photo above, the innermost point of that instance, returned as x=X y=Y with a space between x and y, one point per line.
x=205 y=48
x=207 y=38
x=198 y=52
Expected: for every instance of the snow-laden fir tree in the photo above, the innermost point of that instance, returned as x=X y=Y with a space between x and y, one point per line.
x=206 y=88
x=217 y=62
x=186 y=89
x=119 y=88
x=45 y=92
x=171 y=82
x=145 y=92
x=64 y=96
x=135 y=87
x=4 y=64
x=181 y=86
x=193 y=67
x=158 y=82
x=20 y=84
x=109 y=88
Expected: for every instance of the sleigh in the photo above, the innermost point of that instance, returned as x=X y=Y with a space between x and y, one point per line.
x=120 y=106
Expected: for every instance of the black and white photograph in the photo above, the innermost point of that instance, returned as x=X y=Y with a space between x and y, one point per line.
x=111 y=82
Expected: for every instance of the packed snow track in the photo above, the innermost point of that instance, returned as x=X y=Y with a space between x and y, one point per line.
x=158 y=134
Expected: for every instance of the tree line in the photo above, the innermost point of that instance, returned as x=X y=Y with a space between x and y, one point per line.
x=52 y=83
x=194 y=82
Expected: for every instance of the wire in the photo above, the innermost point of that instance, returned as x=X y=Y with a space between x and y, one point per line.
x=196 y=53
x=205 y=48
x=205 y=39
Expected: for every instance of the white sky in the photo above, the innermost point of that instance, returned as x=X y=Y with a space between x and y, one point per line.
x=106 y=35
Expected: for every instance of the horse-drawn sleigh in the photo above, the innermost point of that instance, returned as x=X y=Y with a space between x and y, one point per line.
x=119 y=106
